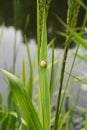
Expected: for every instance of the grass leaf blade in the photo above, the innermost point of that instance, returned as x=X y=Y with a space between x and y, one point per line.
x=24 y=101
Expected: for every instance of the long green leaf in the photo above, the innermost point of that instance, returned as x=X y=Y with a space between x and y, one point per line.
x=52 y=72
x=24 y=102
x=30 y=80
x=43 y=76
x=85 y=127
x=63 y=120
x=38 y=29
x=75 y=35
x=77 y=78
x=67 y=127
x=82 y=4
x=23 y=72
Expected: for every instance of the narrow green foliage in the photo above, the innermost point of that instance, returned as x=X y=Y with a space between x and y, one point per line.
x=0 y=99
x=76 y=36
x=43 y=90
x=26 y=24
x=30 y=80
x=16 y=4
x=24 y=101
x=44 y=94
x=10 y=120
x=85 y=126
x=63 y=120
x=6 y=114
x=42 y=5
x=48 y=6
x=61 y=33
x=77 y=78
x=52 y=72
x=21 y=113
x=0 y=105
x=51 y=42
x=23 y=72
x=72 y=14
x=76 y=53
x=82 y=4
x=38 y=30
x=67 y=127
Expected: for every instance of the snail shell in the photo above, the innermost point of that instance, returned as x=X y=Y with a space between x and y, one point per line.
x=43 y=63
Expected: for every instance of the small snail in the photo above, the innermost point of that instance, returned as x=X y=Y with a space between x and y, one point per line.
x=43 y=63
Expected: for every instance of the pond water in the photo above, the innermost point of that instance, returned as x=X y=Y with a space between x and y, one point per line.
x=7 y=40
x=16 y=12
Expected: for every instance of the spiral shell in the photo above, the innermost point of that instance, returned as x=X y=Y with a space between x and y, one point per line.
x=43 y=63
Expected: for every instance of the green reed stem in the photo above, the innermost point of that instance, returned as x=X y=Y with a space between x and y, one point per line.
x=61 y=81
x=73 y=9
x=16 y=13
x=81 y=33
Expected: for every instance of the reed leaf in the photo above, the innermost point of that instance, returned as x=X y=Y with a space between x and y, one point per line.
x=63 y=120
x=67 y=127
x=72 y=15
x=82 y=4
x=77 y=78
x=24 y=102
x=76 y=36
x=52 y=73
x=44 y=94
x=38 y=29
x=30 y=80
x=23 y=72
x=85 y=126
x=51 y=42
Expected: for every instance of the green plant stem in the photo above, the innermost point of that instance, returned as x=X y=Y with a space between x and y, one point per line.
x=68 y=40
x=72 y=14
x=52 y=71
x=66 y=86
x=14 y=53
x=69 y=77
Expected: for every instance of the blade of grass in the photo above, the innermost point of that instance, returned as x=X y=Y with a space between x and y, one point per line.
x=66 y=86
x=82 y=4
x=24 y=102
x=43 y=73
x=38 y=41
x=67 y=126
x=49 y=68
x=63 y=120
x=27 y=23
x=51 y=42
x=72 y=14
x=23 y=72
x=52 y=71
x=14 y=114
x=38 y=29
x=61 y=33
x=16 y=17
x=85 y=127
x=30 y=81
x=79 y=79
x=75 y=35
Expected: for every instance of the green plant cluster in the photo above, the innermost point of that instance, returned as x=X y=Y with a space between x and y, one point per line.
x=22 y=113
